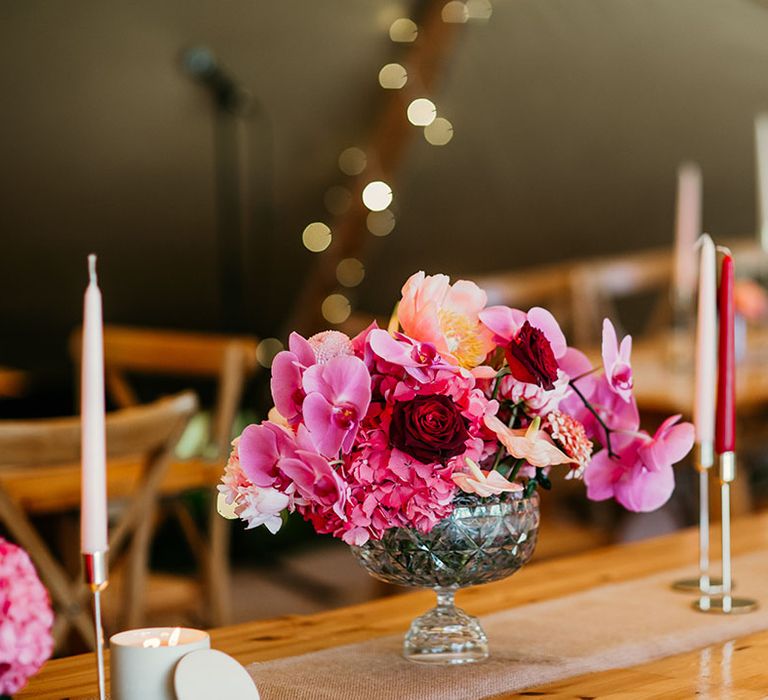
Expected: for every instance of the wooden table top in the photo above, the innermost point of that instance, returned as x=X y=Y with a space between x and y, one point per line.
x=733 y=670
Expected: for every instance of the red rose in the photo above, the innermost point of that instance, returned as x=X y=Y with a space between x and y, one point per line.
x=531 y=359
x=428 y=428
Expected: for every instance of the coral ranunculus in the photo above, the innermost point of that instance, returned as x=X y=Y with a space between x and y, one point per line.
x=429 y=428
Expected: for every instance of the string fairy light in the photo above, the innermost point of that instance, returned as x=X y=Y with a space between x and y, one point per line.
x=377 y=195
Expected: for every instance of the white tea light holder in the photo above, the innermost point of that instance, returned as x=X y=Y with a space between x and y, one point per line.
x=143 y=661
x=209 y=673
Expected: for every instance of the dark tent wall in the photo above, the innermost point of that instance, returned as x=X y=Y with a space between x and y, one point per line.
x=570 y=119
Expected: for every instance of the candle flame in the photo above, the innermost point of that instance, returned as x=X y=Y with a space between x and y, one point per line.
x=151 y=643
x=173 y=640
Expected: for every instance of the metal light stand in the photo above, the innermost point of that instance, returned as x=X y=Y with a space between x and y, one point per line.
x=725 y=603
x=96 y=578
x=704 y=584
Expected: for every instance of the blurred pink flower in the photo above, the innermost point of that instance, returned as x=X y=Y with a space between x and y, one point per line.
x=337 y=398
x=26 y=619
x=483 y=483
x=618 y=371
x=750 y=300
x=434 y=311
x=640 y=475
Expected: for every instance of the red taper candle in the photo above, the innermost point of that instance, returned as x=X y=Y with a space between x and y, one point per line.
x=725 y=424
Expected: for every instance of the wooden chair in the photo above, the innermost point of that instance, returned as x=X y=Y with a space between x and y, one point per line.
x=40 y=473
x=230 y=361
x=598 y=287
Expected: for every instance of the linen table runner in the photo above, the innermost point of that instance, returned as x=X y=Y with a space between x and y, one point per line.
x=613 y=626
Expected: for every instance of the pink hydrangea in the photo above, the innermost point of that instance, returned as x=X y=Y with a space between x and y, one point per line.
x=26 y=619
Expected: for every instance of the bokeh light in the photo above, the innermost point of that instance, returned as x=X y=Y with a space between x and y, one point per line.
x=266 y=351
x=352 y=161
x=350 y=272
x=316 y=237
x=380 y=223
x=439 y=132
x=337 y=200
x=377 y=195
x=422 y=112
x=393 y=76
x=479 y=9
x=455 y=12
x=336 y=308
x=403 y=31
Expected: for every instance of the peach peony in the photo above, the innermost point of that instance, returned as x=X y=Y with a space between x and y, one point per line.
x=433 y=310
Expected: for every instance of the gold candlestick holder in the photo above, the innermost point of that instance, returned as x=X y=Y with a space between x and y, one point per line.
x=724 y=602
x=704 y=584
x=95 y=565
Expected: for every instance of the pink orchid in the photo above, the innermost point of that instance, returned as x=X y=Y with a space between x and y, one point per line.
x=483 y=483
x=417 y=359
x=616 y=361
x=671 y=442
x=316 y=480
x=262 y=449
x=531 y=444
x=640 y=475
x=337 y=398
x=287 y=371
x=434 y=311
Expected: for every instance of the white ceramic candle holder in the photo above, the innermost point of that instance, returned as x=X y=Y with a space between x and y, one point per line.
x=142 y=661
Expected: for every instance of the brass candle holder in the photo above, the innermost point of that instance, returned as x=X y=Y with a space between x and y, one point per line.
x=95 y=564
x=724 y=602
x=704 y=584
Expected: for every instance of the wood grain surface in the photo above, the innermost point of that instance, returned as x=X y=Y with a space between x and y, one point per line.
x=704 y=673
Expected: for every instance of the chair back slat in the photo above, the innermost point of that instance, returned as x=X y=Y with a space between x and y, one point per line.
x=131 y=431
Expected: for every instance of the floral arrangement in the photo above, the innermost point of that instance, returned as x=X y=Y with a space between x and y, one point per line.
x=384 y=429
x=25 y=619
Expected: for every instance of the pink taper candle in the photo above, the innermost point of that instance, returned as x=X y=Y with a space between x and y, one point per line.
x=93 y=519
x=706 y=347
x=687 y=230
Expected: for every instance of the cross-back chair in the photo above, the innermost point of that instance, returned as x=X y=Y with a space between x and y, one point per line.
x=230 y=361
x=40 y=473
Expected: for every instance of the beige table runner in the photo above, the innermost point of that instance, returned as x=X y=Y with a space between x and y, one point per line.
x=613 y=626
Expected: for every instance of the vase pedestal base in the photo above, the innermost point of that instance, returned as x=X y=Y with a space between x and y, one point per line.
x=445 y=635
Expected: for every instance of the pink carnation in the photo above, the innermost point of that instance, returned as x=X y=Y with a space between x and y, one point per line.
x=26 y=619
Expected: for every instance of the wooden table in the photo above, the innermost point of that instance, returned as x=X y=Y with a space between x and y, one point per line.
x=700 y=673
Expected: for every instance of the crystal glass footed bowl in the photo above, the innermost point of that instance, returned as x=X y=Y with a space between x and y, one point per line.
x=483 y=540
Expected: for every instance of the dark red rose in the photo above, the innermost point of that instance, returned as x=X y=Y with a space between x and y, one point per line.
x=531 y=359
x=428 y=428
